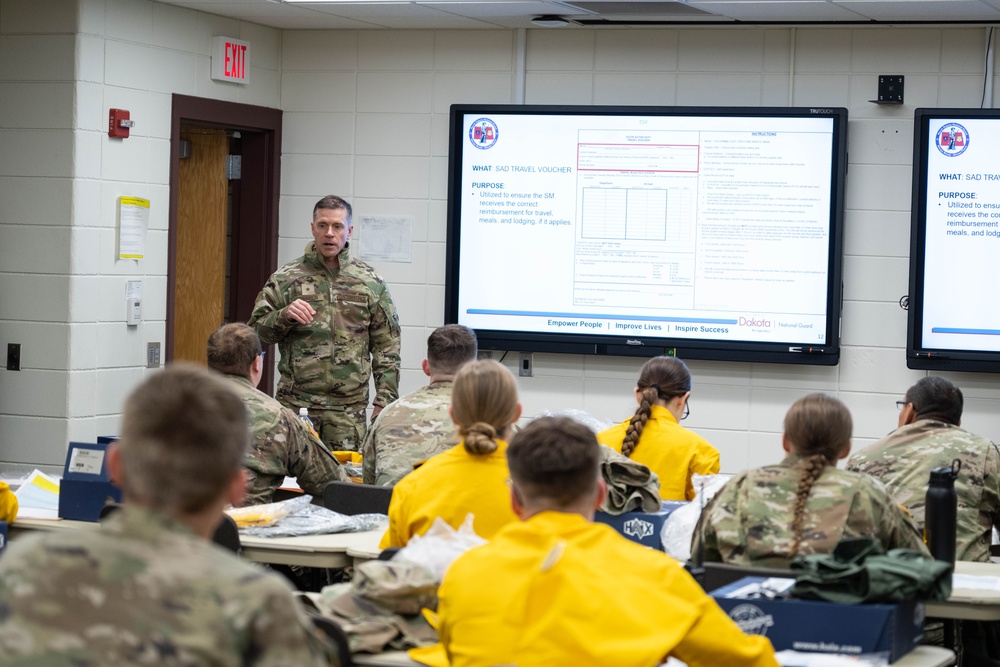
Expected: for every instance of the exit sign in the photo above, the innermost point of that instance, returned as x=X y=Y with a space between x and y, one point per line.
x=230 y=60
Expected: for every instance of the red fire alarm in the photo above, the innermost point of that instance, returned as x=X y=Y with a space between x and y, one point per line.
x=119 y=123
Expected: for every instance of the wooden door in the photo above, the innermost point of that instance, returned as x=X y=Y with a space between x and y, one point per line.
x=200 y=270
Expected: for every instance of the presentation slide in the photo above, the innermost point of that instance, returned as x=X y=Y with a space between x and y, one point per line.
x=686 y=227
x=962 y=235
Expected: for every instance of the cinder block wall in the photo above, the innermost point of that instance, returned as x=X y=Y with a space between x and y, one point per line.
x=366 y=116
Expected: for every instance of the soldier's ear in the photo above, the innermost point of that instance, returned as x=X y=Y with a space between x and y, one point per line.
x=115 y=463
x=845 y=452
x=786 y=444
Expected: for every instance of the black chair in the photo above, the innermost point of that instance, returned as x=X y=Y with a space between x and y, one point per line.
x=227 y=535
x=718 y=575
x=351 y=498
x=336 y=635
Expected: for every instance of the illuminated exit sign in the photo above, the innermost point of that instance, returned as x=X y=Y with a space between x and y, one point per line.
x=230 y=60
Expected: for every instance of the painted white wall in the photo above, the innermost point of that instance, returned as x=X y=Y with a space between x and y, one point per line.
x=63 y=64
x=339 y=104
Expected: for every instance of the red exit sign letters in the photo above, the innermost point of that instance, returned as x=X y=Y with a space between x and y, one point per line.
x=230 y=60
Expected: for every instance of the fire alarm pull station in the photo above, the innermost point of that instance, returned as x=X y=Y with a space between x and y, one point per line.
x=119 y=123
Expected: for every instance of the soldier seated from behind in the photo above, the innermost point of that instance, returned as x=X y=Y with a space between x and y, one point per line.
x=556 y=589
x=417 y=426
x=281 y=444
x=148 y=587
x=805 y=504
x=929 y=436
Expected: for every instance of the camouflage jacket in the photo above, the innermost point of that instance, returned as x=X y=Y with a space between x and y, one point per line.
x=749 y=522
x=281 y=446
x=145 y=590
x=903 y=460
x=410 y=430
x=354 y=334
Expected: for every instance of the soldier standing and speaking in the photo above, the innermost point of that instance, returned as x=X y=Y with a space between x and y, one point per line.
x=336 y=326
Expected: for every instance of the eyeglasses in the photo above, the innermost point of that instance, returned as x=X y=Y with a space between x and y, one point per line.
x=262 y=353
x=687 y=409
x=901 y=404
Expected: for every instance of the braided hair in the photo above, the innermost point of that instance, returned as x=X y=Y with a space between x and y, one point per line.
x=483 y=404
x=818 y=427
x=660 y=378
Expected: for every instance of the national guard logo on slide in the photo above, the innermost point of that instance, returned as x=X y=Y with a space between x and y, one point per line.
x=483 y=133
x=638 y=528
x=952 y=139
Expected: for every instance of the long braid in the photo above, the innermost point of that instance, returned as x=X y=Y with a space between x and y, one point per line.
x=812 y=469
x=638 y=421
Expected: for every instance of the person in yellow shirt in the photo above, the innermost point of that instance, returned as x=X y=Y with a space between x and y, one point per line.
x=654 y=437
x=471 y=476
x=8 y=503
x=557 y=589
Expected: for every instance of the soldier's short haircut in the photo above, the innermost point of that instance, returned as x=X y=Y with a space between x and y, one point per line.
x=449 y=347
x=183 y=437
x=556 y=459
x=333 y=202
x=232 y=349
x=936 y=398
x=483 y=404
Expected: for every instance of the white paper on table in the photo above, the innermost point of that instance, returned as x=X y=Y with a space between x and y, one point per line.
x=975 y=583
x=38 y=497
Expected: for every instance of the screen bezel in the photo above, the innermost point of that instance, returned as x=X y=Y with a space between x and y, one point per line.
x=918 y=356
x=597 y=344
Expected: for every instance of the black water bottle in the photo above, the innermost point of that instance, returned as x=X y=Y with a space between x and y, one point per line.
x=940 y=512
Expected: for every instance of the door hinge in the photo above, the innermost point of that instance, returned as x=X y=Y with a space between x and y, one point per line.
x=234 y=167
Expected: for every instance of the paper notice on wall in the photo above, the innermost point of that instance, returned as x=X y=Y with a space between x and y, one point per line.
x=133 y=222
x=386 y=239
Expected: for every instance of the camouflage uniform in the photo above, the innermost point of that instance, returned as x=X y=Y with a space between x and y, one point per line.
x=749 y=522
x=145 y=590
x=325 y=365
x=411 y=430
x=281 y=446
x=903 y=460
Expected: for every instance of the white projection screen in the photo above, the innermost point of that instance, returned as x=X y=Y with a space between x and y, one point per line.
x=711 y=233
x=954 y=315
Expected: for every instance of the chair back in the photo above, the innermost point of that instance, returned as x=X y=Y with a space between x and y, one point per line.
x=718 y=575
x=336 y=634
x=227 y=535
x=351 y=498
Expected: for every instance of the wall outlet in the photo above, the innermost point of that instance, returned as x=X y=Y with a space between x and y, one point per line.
x=13 y=356
x=152 y=355
x=525 y=365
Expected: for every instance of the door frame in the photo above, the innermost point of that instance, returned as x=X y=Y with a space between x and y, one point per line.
x=255 y=236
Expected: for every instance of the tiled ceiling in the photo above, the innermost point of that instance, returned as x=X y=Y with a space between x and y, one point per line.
x=435 y=14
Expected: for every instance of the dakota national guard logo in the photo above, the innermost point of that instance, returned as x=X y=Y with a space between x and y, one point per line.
x=483 y=133
x=952 y=139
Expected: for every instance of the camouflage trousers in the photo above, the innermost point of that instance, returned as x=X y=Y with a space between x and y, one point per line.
x=342 y=429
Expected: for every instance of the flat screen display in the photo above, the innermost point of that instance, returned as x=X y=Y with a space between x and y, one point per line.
x=954 y=313
x=703 y=232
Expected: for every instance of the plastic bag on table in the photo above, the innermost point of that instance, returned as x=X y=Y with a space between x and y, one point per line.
x=265 y=515
x=440 y=545
x=679 y=527
x=300 y=517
